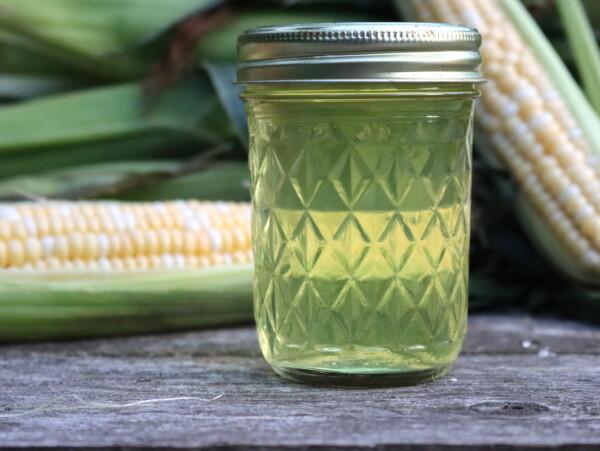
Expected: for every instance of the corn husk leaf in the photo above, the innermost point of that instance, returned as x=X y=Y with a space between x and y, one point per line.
x=80 y=33
x=113 y=123
x=144 y=180
x=57 y=183
x=51 y=51
x=19 y=87
x=583 y=46
x=86 y=304
x=592 y=8
x=555 y=253
x=27 y=73
x=202 y=177
x=227 y=181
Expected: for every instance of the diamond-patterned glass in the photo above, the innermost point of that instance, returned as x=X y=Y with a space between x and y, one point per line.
x=361 y=229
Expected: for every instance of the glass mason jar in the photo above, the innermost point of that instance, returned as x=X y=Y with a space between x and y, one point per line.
x=360 y=160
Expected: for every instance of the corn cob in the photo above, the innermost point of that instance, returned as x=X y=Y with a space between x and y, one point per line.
x=548 y=144
x=83 y=269
x=116 y=236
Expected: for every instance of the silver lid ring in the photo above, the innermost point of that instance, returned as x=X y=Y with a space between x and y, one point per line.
x=359 y=53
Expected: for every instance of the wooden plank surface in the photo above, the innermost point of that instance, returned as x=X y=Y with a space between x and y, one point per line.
x=520 y=382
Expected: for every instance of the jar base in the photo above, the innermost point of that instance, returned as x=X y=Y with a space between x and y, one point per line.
x=357 y=380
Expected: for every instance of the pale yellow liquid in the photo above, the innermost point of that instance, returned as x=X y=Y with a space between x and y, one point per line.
x=355 y=295
x=360 y=229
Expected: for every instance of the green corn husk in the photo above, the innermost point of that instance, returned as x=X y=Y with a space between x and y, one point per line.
x=584 y=47
x=21 y=87
x=59 y=45
x=27 y=73
x=77 y=182
x=544 y=240
x=102 y=39
x=113 y=123
x=87 y=304
x=132 y=180
x=224 y=182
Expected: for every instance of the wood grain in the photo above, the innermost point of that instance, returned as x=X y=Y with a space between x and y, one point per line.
x=526 y=383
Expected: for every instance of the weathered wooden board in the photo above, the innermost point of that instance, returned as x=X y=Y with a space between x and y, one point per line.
x=520 y=382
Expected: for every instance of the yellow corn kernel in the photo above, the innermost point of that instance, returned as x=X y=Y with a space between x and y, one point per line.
x=33 y=250
x=16 y=255
x=3 y=255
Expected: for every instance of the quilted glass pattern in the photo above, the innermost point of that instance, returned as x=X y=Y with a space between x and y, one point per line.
x=361 y=229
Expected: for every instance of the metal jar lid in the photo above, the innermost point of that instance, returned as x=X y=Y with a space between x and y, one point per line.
x=360 y=52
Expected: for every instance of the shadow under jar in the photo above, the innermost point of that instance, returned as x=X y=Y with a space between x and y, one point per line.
x=360 y=161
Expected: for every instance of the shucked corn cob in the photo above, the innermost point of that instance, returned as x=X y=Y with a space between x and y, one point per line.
x=86 y=269
x=115 y=236
x=534 y=132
